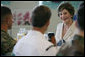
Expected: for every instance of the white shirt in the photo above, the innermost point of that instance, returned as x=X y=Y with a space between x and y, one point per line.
x=34 y=44
x=69 y=34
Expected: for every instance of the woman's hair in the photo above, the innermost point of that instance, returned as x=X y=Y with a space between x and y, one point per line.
x=67 y=6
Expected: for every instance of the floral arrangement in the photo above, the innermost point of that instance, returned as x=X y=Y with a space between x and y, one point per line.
x=21 y=19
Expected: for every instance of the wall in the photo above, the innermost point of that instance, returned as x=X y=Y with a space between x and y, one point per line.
x=29 y=5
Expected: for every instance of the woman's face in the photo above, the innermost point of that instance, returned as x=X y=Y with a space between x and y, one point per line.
x=65 y=16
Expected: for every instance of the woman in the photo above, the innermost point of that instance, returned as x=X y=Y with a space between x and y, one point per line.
x=65 y=30
x=77 y=48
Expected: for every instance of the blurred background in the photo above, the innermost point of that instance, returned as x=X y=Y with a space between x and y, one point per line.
x=21 y=11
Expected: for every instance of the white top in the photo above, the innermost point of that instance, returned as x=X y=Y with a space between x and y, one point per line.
x=34 y=44
x=69 y=34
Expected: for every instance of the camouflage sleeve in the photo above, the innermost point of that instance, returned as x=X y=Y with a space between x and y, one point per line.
x=7 y=43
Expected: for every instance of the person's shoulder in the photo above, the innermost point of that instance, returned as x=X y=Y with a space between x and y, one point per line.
x=7 y=37
x=59 y=24
x=4 y=34
x=78 y=39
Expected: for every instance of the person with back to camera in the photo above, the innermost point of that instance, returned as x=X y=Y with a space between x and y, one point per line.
x=34 y=43
x=65 y=30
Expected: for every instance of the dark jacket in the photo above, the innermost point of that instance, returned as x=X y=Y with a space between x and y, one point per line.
x=77 y=48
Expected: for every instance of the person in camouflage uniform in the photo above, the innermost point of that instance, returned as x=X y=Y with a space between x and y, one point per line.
x=77 y=48
x=7 y=42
